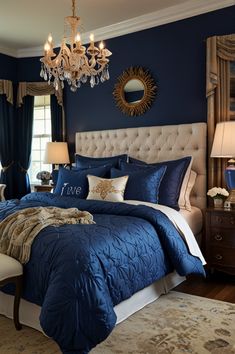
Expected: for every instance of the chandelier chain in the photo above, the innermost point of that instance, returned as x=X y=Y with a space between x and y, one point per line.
x=73 y=8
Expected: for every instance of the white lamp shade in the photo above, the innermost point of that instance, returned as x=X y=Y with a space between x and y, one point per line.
x=56 y=153
x=224 y=140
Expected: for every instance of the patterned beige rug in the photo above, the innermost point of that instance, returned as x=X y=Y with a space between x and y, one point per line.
x=177 y=323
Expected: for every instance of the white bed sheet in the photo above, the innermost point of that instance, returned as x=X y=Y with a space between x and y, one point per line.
x=194 y=218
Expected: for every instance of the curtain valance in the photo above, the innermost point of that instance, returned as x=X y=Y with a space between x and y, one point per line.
x=226 y=47
x=37 y=89
x=218 y=47
x=6 y=89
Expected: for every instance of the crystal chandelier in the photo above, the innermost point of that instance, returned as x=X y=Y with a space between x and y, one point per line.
x=74 y=63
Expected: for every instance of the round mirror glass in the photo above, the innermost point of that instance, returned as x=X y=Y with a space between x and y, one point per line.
x=134 y=91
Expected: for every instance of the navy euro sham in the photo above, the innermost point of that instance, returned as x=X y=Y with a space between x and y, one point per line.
x=83 y=162
x=143 y=184
x=77 y=273
x=169 y=191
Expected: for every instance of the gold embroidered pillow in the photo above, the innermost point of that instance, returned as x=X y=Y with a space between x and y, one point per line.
x=111 y=190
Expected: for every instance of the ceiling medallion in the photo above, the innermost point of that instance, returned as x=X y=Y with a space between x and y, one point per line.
x=74 y=63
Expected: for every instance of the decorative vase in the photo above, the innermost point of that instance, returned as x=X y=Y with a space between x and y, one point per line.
x=218 y=202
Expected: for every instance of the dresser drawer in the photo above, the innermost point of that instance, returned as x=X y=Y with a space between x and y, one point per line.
x=222 y=237
x=224 y=220
x=223 y=256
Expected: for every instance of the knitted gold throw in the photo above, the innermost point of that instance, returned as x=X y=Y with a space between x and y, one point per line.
x=19 y=229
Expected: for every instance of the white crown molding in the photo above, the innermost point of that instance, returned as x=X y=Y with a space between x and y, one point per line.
x=171 y=14
x=9 y=51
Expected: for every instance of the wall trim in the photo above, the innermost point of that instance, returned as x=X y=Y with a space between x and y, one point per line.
x=8 y=51
x=153 y=19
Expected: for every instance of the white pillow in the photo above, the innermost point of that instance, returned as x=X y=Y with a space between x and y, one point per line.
x=190 y=185
x=111 y=190
x=182 y=197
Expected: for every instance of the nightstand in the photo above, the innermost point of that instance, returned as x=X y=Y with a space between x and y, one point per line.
x=43 y=188
x=220 y=239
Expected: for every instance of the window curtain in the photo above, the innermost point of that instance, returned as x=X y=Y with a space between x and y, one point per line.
x=57 y=112
x=25 y=103
x=57 y=120
x=6 y=137
x=220 y=51
x=23 y=141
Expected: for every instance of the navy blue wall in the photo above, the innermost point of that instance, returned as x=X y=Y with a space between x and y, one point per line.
x=28 y=69
x=8 y=68
x=174 y=53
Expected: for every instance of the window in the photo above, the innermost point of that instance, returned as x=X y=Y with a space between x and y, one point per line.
x=41 y=135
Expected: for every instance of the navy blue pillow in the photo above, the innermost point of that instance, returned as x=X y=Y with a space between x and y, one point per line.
x=90 y=162
x=143 y=184
x=172 y=180
x=74 y=183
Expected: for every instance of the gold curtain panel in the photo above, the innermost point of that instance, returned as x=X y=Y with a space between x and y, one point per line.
x=220 y=52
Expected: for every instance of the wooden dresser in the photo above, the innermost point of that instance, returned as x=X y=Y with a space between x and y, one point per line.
x=220 y=239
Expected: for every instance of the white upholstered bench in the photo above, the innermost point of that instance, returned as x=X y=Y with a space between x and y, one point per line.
x=2 y=187
x=11 y=271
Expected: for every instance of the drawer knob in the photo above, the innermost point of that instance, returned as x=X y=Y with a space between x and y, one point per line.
x=219 y=257
x=219 y=220
x=218 y=237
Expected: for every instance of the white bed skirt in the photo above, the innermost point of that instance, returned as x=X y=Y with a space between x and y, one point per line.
x=29 y=313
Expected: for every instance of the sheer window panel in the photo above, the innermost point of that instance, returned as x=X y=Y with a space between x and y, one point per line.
x=41 y=135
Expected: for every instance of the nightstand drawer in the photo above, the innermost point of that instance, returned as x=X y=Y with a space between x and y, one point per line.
x=220 y=219
x=43 y=188
x=223 y=237
x=223 y=256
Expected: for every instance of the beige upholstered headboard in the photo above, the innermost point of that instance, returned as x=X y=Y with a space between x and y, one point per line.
x=152 y=144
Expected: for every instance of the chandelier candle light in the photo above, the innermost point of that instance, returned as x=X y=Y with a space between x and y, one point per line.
x=74 y=63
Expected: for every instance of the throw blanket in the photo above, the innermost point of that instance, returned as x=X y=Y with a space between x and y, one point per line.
x=19 y=229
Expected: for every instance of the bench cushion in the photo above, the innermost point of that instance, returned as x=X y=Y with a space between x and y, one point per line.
x=9 y=267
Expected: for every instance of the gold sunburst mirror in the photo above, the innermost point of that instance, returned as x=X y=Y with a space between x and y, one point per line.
x=134 y=91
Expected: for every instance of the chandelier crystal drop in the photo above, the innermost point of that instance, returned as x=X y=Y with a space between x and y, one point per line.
x=74 y=63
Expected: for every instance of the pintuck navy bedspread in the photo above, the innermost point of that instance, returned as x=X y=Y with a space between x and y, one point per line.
x=78 y=273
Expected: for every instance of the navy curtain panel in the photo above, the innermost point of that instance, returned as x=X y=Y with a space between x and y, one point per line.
x=56 y=120
x=23 y=143
x=7 y=127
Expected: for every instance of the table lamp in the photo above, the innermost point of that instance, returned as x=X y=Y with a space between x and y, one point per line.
x=57 y=154
x=224 y=147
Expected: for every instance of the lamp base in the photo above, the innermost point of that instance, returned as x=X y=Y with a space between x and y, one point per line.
x=230 y=201
x=230 y=177
x=54 y=175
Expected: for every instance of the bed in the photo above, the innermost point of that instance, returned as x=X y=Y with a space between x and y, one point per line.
x=148 y=144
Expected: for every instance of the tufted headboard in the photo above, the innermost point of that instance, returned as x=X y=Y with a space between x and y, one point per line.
x=152 y=144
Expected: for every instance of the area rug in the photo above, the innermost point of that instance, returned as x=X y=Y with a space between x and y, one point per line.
x=176 y=323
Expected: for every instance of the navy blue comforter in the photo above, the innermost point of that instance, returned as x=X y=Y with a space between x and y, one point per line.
x=77 y=273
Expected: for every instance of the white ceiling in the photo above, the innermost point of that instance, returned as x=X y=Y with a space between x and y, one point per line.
x=25 y=24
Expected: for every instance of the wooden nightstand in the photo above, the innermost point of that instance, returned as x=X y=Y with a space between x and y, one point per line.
x=43 y=188
x=220 y=239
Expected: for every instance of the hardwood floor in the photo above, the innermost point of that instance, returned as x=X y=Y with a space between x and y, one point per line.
x=220 y=286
